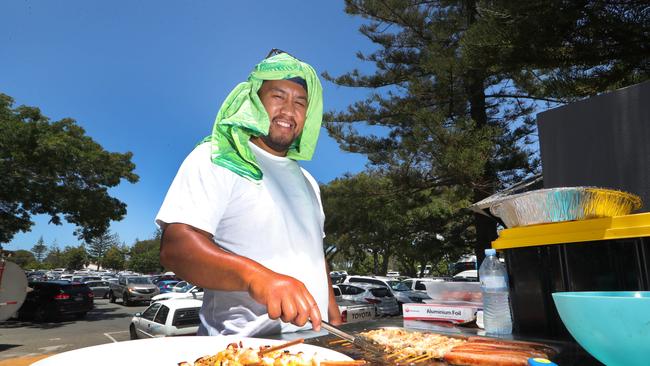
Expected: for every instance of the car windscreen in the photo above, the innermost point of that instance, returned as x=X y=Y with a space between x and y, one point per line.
x=397 y=286
x=139 y=280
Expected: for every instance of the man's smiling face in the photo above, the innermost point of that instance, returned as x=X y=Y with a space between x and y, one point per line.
x=286 y=104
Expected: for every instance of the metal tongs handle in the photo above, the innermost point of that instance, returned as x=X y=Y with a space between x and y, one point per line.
x=336 y=331
x=358 y=341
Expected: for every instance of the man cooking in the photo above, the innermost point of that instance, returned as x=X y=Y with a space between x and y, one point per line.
x=243 y=219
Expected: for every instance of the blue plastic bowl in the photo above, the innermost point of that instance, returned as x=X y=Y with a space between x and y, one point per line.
x=613 y=326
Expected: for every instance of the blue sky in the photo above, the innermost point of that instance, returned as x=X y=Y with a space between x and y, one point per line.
x=149 y=77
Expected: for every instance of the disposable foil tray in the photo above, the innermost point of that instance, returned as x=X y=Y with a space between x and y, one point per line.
x=563 y=204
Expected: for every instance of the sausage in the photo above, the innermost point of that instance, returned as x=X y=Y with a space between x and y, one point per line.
x=465 y=358
x=538 y=346
x=484 y=347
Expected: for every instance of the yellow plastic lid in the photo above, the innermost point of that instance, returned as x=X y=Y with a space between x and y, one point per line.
x=607 y=228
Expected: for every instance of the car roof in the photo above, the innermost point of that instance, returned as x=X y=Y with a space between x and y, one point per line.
x=362 y=285
x=181 y=303
x=467 y=273
x=423 y=279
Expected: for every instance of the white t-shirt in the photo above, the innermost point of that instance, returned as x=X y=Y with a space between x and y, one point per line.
x=278 y=223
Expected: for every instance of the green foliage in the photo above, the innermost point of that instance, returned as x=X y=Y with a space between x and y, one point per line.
x=54 y=258
x=145 y=256
x=24 y=259
x=75 y=257
x=99 y=245
x=54 y=168
x=39 y=250
x=115 y=258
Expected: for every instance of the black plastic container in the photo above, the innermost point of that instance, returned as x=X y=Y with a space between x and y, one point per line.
x=538 y=271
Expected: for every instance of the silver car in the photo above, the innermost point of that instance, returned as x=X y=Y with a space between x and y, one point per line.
x=99 y=288
x=380 y=296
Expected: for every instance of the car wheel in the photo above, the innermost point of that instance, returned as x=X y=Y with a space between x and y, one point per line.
x=125 y=299
x=111 y=297
x=105 y=295
x=132 y=332
x=80 y=315
x=41 y=314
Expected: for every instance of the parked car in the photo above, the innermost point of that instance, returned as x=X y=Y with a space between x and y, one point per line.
x=172 y=317
x=470 y=275
x=353 y=310
x=392 y=274
x=378 y=295
x=90 y=278
x=190 y=292
x=166 y=285
x=337 y=276
x=418 y=284
x=131 y=289
x=99 y=288
x=52 y=300
x=401 y=292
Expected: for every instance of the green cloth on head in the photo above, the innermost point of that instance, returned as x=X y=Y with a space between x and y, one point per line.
x=243 y=115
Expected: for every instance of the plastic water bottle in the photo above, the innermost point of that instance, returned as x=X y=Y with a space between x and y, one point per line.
x=494 y=286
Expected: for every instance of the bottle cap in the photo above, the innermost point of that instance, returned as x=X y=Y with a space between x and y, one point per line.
x=490 y=252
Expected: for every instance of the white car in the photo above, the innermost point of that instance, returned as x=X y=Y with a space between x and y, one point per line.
x=351 y=310
x=167 y=318
x=402 y=293
x=418 y=284
x=188 y=292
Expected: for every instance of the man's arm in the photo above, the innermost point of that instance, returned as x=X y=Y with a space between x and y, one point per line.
x=192 y=255
x=333 y=312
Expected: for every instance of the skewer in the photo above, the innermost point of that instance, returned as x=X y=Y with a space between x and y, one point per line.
x=417 y=358
x=281 y=346
x=394 y=354
x=338 y=341
x=403 y=358
x=424 y=359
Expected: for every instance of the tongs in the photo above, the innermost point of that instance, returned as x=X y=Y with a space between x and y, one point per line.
x=359 y=341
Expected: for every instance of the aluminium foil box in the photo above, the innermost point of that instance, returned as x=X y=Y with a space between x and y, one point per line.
x=457 y=313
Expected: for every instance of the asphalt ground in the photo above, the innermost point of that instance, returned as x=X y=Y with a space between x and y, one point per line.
x=22 y=341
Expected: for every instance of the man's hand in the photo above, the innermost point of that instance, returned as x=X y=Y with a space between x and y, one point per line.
x=285 y=297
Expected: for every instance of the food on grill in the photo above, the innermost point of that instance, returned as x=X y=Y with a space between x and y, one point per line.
x=403 y=343
x=236 y=354
x=415 y=347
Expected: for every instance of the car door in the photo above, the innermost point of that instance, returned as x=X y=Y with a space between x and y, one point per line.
x=144 y=323
x=159 y=327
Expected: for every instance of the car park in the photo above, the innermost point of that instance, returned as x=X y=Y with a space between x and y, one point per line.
x=188 y=292
x=378 y=295
x=401 y=292
x=53 y=300
x=99 y=288
x=172 y=317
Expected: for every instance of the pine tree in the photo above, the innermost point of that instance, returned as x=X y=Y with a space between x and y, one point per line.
x=39 y=250
x=456 y=85
x=98 y=246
